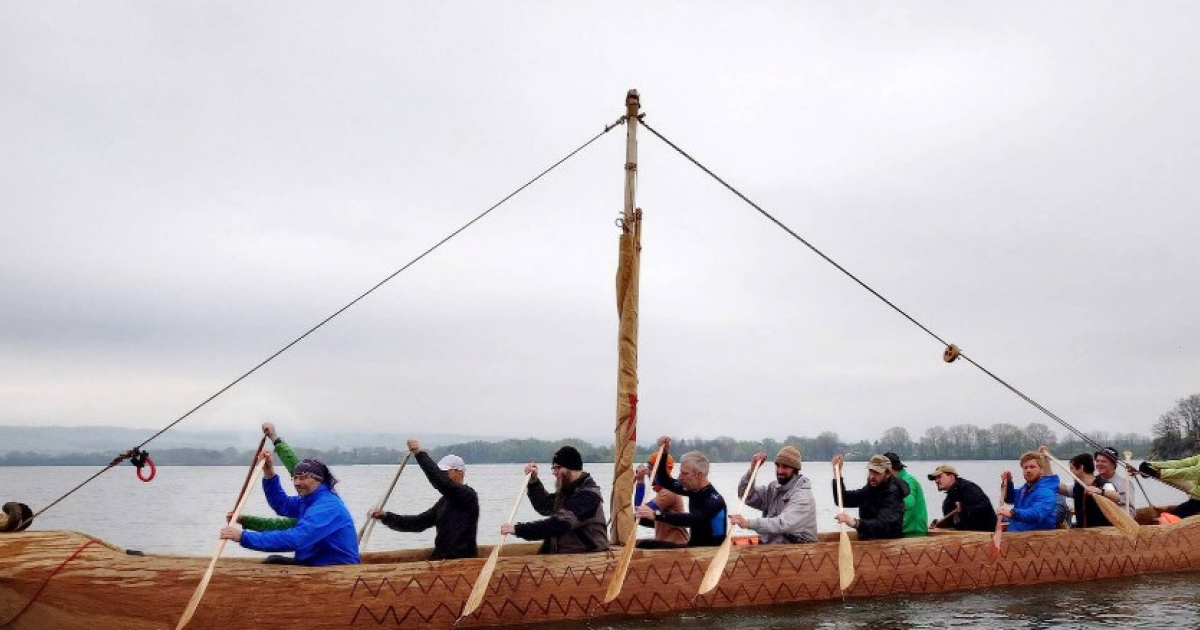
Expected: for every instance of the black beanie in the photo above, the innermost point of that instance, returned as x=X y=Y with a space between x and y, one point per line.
x=568 y=458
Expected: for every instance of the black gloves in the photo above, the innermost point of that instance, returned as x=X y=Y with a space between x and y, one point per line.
x=1148 y=470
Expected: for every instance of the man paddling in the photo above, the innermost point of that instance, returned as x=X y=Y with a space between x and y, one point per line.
x=965 y=507
x=1087 y=510
x=880 y=503
x=324 y=532
x=706 y=516
x=789 y=513
x=1187 y=471
x=455 y=515
x=575 y=509
x=289 y=459
x=1033 y=503
x=664 y=501
x=1106 y=460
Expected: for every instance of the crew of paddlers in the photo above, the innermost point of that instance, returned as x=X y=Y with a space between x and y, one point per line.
x=318 y=528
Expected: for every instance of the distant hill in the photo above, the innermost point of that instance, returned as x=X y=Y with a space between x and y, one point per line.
x=57 y=440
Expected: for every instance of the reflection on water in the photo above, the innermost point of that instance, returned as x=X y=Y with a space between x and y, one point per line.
x=181 y=511
x=1155 y=601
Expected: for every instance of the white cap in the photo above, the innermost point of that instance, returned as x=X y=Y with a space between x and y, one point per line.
x=452 y=462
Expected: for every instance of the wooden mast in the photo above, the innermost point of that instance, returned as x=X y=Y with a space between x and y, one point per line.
x=628 y=272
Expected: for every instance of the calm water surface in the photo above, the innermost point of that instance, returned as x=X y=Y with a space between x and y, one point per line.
x=181 y=511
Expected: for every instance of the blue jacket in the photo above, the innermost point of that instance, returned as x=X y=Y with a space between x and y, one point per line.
x=1033 y=508
x=324 y=532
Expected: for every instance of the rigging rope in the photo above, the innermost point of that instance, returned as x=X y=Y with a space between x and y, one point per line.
x=481 y=215
x=951 y=350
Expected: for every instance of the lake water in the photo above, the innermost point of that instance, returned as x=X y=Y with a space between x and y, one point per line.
x=181 y=511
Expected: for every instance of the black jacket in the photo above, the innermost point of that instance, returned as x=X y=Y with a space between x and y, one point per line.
x=576 y=523
x=880 y=508
x=977 y=513
x=705 y=518
x=1087 y=510
x=456 y=515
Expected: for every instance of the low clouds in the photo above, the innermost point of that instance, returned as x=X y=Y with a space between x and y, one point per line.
x=185 y=190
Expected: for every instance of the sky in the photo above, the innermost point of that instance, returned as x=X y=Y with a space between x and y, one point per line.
x=185 y=188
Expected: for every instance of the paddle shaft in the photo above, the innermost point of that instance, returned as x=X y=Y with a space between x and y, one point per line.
x=618 y=578
x=1128 y=475
x=194 y=602
x=485 y=574
x=712 y=575
x=365 y=532
x=253 y=463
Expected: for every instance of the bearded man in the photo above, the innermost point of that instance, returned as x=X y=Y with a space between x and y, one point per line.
x=880 y=503
x=789 y=513
x=575 y=509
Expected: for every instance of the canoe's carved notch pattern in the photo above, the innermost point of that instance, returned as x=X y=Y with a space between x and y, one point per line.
x=124 y=591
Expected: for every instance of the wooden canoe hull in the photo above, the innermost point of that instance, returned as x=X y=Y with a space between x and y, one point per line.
x=103 y=587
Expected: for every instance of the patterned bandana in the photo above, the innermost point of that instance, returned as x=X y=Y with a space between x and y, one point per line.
x=312 y=468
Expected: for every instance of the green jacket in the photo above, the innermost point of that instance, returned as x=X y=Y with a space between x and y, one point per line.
x=270 y=523
x=1185 y=470
x=916 y=517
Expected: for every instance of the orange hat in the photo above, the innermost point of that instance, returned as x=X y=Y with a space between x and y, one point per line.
x=670 y=460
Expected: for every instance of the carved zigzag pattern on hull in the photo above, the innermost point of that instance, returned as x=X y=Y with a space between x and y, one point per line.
x=661 y=581
x=448 y=584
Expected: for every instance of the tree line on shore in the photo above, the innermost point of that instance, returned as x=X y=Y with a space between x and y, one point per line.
x=1175 y=435
x=955 y=443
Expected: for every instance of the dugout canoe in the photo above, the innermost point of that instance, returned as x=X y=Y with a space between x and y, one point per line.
x=57 y=579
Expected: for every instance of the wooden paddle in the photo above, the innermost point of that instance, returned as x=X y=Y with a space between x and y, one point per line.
x=485 y=574
x=717 y=566
x=1113 y=512
x=365 y=532
x=250 y=471
x=995 y=551
x=845 y=551
x=1131 y=473
x=946 y=519
x=618 y=577
x=203 y=586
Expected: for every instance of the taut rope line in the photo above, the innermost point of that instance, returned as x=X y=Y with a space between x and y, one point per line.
x=951 y=350
x=341 y=310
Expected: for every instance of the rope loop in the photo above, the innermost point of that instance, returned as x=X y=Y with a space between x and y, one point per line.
x=123 y=456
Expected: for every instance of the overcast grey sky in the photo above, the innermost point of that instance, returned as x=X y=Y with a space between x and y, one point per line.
x=186 y=187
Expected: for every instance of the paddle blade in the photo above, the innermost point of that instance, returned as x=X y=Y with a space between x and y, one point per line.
x=1117 y=516
x=481 y=582
x=995 y=551
x=715 y=568
x=845 y=561
x=618 y=578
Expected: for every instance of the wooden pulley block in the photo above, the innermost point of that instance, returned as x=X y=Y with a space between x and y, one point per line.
x=15 y=517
